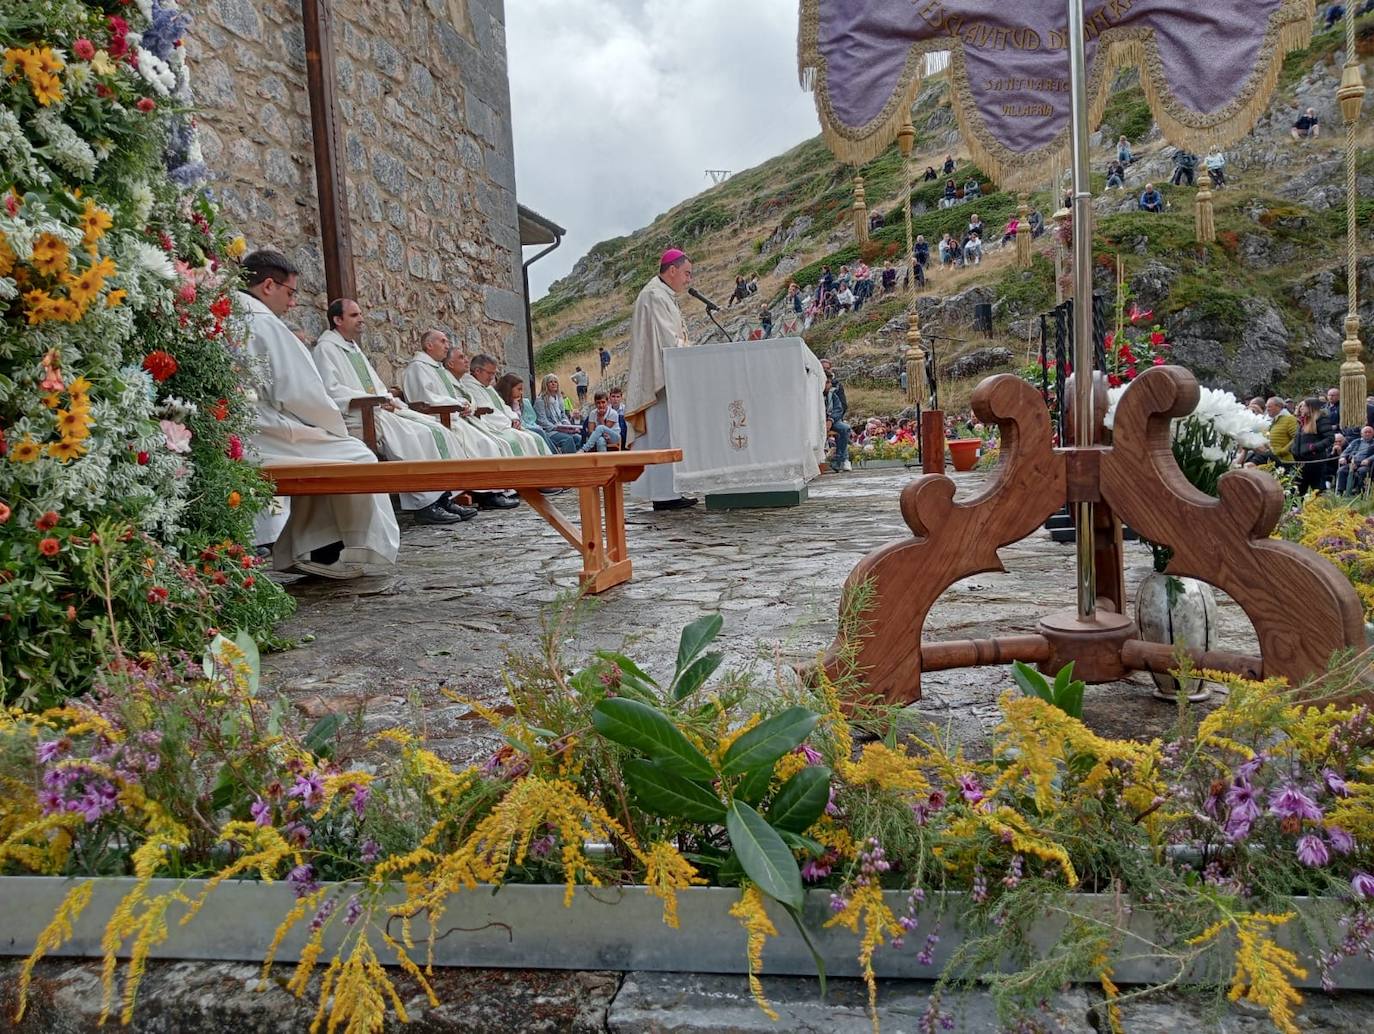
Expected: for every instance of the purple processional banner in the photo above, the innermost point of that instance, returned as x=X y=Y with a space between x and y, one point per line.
x=1207 y=68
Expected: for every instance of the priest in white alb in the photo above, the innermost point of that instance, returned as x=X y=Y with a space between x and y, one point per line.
x=336 y=536
x=656 y=324
x=402 y=433
x=426 y=381
x=490 y=409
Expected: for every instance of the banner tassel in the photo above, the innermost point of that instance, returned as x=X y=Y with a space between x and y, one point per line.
x=1203 y=222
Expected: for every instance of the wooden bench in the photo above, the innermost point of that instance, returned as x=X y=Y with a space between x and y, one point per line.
x=597 y=476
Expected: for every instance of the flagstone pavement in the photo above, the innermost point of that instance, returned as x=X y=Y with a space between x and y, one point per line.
x=463 y=596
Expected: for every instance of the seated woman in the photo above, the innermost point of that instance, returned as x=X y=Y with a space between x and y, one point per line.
x=1123 y=151
x=551 y=416
x=951 y=197
x=511 y=388
x=1012 y=228
x=972 y=189
x=1116 y=175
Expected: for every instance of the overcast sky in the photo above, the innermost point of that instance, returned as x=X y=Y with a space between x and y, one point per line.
x=620 y=107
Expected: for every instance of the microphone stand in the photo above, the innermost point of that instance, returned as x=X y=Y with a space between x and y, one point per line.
x=711 y=315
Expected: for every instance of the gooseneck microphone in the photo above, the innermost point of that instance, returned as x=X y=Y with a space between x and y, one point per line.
x=710 y=305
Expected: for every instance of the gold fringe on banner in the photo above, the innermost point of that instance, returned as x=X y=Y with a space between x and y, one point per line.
x=1203 y=224
x=1290 y=28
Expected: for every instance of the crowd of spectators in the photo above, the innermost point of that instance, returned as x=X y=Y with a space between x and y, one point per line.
x=1307 y=441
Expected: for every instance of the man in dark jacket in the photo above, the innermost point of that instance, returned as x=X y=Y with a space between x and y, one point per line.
x=835 y=407
x=1352 y=470
x=1185 y=167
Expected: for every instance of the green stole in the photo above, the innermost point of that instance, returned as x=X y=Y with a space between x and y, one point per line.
x=366 y=382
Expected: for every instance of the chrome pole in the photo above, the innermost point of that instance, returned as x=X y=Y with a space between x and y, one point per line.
x=1083 y=417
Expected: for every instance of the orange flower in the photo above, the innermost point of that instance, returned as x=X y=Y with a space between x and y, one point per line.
x=234 y=500
x=115 y=297
x=74 y=424
x=66 y=449
x=7 y=256
x=5 y=512
x=47 y=522
x=49 y=547
x=94 y=222
x=50 y=255
x=26 y=451
x=79 y=386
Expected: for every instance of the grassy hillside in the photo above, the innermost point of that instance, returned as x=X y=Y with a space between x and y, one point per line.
x=1280 y=221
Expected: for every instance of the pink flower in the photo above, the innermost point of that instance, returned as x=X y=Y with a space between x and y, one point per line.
x=261 y=812
x=1312 y=852
x=970 y=789
x=234 y=450
x=187 y=293
x=84 y=49
x=1362 y=884
x=145 y=104
x=1292 y=803
x=177 y=436
x=1342 y=841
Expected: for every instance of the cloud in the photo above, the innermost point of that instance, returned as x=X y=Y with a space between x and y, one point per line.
x=619 y=107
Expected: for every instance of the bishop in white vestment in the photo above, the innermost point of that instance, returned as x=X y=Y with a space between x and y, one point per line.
x=656 y=324
x=476 y=387
x=298 y=422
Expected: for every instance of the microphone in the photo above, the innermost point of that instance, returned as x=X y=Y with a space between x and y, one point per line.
x=710 y=305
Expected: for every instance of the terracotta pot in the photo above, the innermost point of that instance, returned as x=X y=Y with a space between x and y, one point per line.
x=963 y=452
x=1173 y=610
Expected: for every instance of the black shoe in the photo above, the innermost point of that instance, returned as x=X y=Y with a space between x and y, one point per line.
x=496 y=501
x=465 y=513
x=435 y=513
x=327 y=554
x=552 y=491
x=680 y=503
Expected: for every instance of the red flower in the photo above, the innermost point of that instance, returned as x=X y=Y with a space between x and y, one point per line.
x=1130 y=373
x=47 y=522
x=160 y=364
x=4 y=512
x=235 y=449
x=220 y=307
x=248 y=582
x=84 y=49
x=1109 y=340
x=49 y=547
x=101 y=90
x=11 y=204
x=157 y=594
x=248 y=563
x=142 y=458
x=71 y=612
x=220 y=410
x=220 y=578
x=145 y=104
x=1113 y=380
x=1158 y=360
x=1157 y=338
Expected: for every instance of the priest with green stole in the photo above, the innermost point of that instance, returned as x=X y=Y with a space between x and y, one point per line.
x=402 y=433
x=490 y=408
x=426 y=381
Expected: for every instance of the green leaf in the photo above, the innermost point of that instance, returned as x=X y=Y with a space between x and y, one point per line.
x=815 y=955
x=801 y=800
x=1031 y=681
x=647 y=729
x=769 y=740
x=626 y=665
x=730 y=873
x=754 y=784
x=695 y=675
x=695 y=638
x=767 y=861
x=797 y=842
x=670 y=796
x=320 y=739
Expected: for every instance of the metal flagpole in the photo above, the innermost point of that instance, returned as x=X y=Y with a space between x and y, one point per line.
x=1083 y=416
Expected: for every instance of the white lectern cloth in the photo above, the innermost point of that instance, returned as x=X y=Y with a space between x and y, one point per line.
x=747 y=415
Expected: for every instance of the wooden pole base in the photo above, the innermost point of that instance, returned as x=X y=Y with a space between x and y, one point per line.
x=932 y=441
x=1092 y=644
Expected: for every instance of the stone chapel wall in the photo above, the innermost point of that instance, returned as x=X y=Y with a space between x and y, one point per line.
x=424 y=120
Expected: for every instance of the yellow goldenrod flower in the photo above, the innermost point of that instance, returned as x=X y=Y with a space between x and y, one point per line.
x=79 y=386
x=751 y=915
x=26 y=450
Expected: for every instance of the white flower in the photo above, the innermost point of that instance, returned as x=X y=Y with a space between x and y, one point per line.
x=157 y=72
x=65 y=146
x=152 y=260
x=140 y=200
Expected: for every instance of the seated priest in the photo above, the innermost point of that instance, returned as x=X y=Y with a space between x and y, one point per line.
x=428 y=380
x=402 y=433
x=335 y=536
x=477 y=387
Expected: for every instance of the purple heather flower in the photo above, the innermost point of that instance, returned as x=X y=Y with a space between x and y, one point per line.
x=354 y=911
x=1362 y=884
x=261 y=812
x=815 y=869
x=1335 y=785
x=1342 y=841
x=361 y=795
x=831 y=808
x=322 y=916
x=937 y=799
x=541 y=846
x=838 y=903
x=302 y=880
x=1248 y=768
x=50 y=750
x=1292 y=803
x=970 y=788
x=51 y=802
x=296 y=833
x=370 y=850
x=309 y=788
x=812 y=755
x=1312 y=852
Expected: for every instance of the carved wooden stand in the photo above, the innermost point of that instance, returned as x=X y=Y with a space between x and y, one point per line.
x=1303 y=609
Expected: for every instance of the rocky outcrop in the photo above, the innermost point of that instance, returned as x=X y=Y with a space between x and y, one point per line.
x=1322 y=296
x=980 y=360
x=1247 y=360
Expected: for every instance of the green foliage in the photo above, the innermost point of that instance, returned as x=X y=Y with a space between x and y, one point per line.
x=766 y=860
x=1127 y=114
x=1025 y=292
x=555 y=352
x=1065 y=693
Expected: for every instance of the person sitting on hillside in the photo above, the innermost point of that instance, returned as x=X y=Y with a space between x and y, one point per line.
x=973 y=248
x=890 y=277
x=844 y=298
x=827 y=287
x=740 y=292
x=951 y=197
x=972 y=189
x=875 y=220
x=949 y=250
x=1116 y=175
x=1123 y=150
x=550 y=415
x=930 y=175
x=1307 y=127
x=948 y=167
x=1151 y=200
x=753 y=284
x=1352 y=471
x=1215 y=164
x=601 y=428
x=975 y=225
x=1010 y=231
x=863 y=284
x=1185 y=167
x=1037 y=223
x=920 y=251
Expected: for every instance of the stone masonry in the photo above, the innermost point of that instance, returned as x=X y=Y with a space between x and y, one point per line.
x=424 y=121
